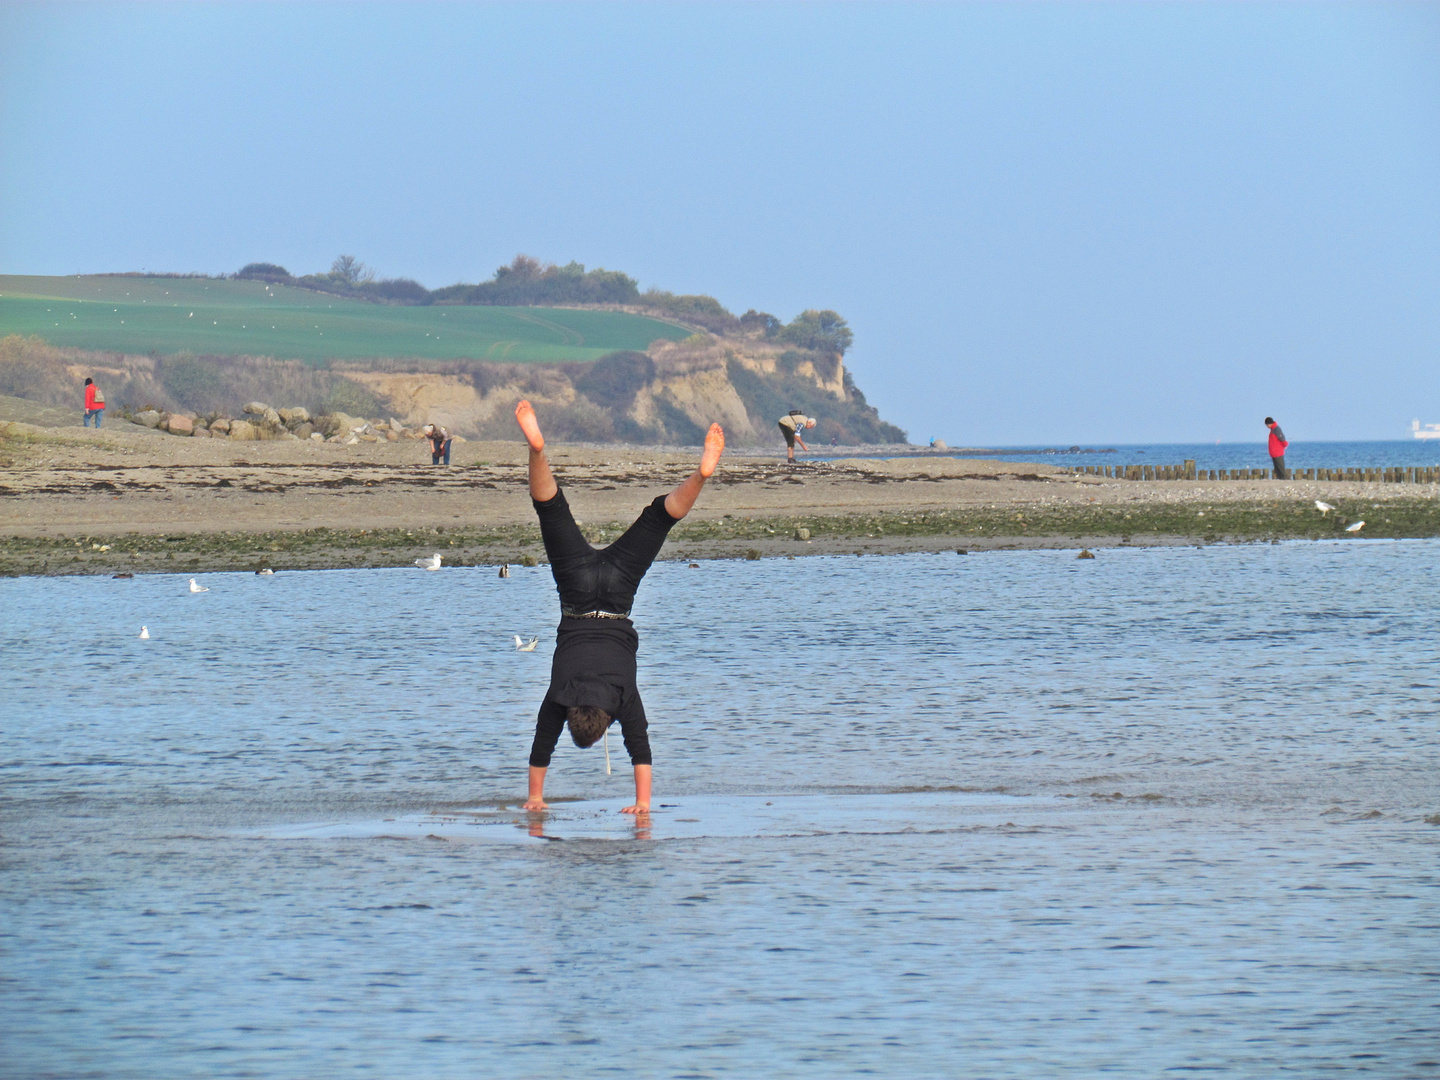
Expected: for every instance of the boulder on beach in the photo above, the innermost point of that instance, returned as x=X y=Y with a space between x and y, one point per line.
x=293 y=416
x=149 y=418
x=337 y=423
x=271 y=417
x=220 y=426
x=302 y=431
x=201 y=433
x=315 y=436
x=180 y=424
x=257 y=408
x=243 y=431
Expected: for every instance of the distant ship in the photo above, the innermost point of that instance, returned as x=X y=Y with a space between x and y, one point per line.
x=1429 y=431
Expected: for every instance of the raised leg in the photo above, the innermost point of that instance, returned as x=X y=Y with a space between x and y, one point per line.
x=679 y=502
x=542 y=480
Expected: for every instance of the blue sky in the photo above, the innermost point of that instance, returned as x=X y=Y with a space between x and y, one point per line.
x=1046 y=224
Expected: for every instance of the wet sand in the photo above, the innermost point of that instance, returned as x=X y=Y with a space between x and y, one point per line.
x=127 y=498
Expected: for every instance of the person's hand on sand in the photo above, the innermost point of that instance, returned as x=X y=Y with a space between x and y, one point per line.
x=714 y=447
x=525 y=417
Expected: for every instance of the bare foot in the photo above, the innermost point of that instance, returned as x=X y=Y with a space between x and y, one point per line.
x=638 y=808
x=714 y=447
x=535 y=804
x=525 y=416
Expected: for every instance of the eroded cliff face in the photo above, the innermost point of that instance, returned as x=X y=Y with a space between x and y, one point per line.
x=669 y=394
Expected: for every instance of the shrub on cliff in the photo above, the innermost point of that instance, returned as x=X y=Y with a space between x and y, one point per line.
x=614 y=380
x=819 y=331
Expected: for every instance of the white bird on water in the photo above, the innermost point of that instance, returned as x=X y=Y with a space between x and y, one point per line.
x=144 y=633
x=197 y=588
x=432 y=563
x=522 y=645
x=1323 y=507
x=264 y=571
x=1356 y=527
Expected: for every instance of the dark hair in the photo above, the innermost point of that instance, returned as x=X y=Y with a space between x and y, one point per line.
x=1269 y=419
x=587 y=724
x=89 y=381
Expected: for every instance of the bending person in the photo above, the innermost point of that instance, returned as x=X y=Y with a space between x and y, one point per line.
x=592 y=676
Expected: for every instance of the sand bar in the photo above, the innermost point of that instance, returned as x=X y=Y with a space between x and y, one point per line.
x=129 y=499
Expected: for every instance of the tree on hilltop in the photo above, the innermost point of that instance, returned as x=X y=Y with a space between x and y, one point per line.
x=820 y=331
x=351 y=271
x=263 y=271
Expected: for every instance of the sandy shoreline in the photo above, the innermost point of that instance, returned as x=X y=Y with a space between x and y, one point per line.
x=158 y=502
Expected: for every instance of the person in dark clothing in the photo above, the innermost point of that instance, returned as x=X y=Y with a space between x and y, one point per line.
x=439 y=440
x=592 y=675
x=1278 y=443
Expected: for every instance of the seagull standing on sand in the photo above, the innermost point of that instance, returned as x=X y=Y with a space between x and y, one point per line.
x=144 y=633
x=197 y=588
x=432 y=563
x=525 y=646
x=1323 y=507
x=1356 y=527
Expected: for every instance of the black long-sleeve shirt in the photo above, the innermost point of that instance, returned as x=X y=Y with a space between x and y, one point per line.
x=595 y=658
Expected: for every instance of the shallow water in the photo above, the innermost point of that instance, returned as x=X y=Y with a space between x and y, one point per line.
x=1387 y=454
x=1007 y=814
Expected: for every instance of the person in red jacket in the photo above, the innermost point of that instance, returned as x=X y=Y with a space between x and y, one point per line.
x=94 y=402
x=1277 y=448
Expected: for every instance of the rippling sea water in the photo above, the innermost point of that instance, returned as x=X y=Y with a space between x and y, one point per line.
x=1388 y=454
x=1007 y=814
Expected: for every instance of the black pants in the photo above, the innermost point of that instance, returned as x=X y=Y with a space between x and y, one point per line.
x=606 y=577
x=1279 y=465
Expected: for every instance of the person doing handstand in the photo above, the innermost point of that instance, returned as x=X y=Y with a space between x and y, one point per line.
x=592 y=675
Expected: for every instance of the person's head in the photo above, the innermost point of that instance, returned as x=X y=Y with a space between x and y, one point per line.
x=587 y=724
x=810 y=423
x=429 y=429
x=1269 y=421
x=89 y=382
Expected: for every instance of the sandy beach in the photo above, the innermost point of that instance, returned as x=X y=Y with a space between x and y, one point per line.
x=129 y=499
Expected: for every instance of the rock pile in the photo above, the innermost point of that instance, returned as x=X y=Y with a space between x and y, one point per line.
x=261 y=422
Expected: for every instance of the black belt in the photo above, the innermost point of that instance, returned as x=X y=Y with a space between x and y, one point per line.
x=570 y=613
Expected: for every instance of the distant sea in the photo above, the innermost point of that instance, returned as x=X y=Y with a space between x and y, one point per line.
x=1302 y=455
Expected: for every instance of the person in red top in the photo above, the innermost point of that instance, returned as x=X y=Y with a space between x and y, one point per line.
x=94 y=402
x=1277 y=448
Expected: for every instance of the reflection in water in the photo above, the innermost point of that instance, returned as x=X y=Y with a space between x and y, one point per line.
x=1156 y=811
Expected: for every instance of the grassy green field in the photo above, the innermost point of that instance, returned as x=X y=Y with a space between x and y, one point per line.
x=203 y=315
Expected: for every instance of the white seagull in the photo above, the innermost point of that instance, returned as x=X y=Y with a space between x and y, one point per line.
x=1356 y=527
x=197 y=588
x=525 y=646
x=432 y=563
x=1323 y=507
x=144 y=633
